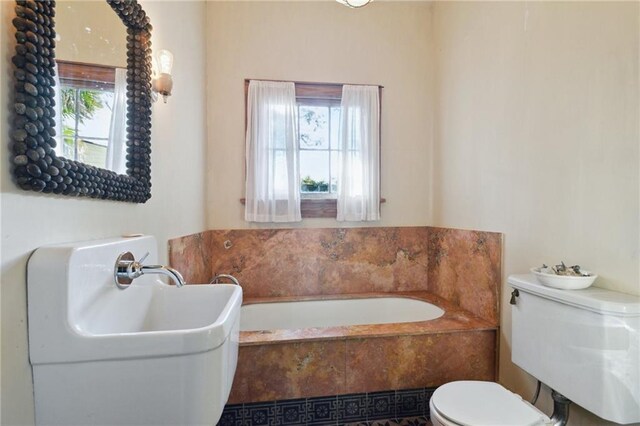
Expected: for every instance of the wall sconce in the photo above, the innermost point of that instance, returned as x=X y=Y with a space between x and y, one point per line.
x=354 y=4
x=162 y=81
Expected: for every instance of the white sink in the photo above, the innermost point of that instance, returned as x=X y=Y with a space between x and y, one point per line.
x=151 y=354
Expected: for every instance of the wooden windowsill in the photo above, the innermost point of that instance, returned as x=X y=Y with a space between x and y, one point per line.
x=310 y=208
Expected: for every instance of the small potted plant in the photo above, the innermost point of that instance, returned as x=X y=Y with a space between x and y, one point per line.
x=322 y=186
x=309 y=185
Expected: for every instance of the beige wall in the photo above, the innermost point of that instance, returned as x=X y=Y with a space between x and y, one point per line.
x=176 y=207
x=90 y=32
x=385 y=43
x=536 y=136
x=520 y=118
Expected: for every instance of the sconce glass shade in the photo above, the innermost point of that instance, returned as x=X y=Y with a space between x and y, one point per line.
x=162 y=80
x=165 y=61
x=354 y=4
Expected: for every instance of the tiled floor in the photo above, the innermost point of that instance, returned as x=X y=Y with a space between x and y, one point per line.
x=409 y=421
x=408 y=407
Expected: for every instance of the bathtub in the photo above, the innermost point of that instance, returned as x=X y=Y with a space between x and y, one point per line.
x=300 y=347
x=335 y=313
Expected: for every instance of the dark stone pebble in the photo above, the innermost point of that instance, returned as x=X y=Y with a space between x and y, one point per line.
x=20 y=148
x=20 y=135
x=31 y=113
x=38 y=184
x=33 y=155
x=20 y=160
x=31 y=89
x=31 y=128
x=34 y=170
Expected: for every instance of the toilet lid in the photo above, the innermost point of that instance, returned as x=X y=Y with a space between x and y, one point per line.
x=471 y=403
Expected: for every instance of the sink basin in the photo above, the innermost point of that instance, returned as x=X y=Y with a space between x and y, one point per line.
x=149 y=354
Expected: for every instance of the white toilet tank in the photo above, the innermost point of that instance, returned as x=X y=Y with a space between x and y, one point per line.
x=584 y=344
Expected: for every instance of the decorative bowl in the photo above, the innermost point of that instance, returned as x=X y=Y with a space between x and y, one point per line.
x=564 y=282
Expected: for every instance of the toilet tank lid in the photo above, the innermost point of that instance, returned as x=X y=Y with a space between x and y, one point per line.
x=593 y=299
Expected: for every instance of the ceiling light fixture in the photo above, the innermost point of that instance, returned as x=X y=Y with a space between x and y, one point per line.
x=354 y=4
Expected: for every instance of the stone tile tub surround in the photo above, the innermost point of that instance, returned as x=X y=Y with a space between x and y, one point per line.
x=460 y=266
x=454 y=269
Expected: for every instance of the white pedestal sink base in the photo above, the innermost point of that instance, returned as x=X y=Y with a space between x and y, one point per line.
x=176 y=390
x=151 y=354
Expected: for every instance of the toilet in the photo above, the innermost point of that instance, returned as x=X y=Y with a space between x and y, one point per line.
x=482 y=404
x=584 y=344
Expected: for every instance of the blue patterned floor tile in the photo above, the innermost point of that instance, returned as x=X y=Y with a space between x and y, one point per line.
x=231 y=416
x=322 y=411
x=428 y=393
x=352 y=408
x=410 y=403
x=291 y=412
x=259 y=414
x=381 y=405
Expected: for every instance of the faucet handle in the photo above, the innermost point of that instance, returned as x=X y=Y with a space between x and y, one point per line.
x=142 y=259
x=122 y=273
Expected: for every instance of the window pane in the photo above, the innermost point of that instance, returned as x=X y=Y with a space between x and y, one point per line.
x=68 y=146
x=68 y=110
x=314 y=171
x=94 y=113
x=314 y=127
x=93 y=152
x=335 y=171
x=335 y=127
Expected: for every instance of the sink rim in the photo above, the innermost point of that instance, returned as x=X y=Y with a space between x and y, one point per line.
x=83 y=332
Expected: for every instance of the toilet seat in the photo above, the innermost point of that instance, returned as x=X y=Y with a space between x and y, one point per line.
x=476 y=403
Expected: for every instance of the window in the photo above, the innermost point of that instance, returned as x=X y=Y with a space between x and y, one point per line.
x=318 y=115
x=87 y=101
x=318 y=126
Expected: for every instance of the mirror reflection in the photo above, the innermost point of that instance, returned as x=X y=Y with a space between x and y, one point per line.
x=91 y=59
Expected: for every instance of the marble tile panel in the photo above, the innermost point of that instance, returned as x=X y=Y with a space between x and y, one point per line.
x=287 y=371
x=419 y=361
x=465 y=268
x=288 y=262
x=191 y=255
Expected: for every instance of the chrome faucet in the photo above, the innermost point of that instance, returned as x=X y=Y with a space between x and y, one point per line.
x=217 y=278
x=127 y=269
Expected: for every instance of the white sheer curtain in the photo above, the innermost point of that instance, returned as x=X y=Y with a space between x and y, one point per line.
x=359 y=157
x=273 y=175
x=117 y=147
x=59 y=149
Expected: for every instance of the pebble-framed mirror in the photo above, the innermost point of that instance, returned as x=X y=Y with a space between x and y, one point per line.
x=54 y=148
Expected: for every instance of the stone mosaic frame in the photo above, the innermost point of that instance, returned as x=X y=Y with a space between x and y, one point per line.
x=35 y=166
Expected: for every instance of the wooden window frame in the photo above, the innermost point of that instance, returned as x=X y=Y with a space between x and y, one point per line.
x=309 y=207
x=82 y=75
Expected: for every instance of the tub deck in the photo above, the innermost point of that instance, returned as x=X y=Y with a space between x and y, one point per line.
x=455 y=319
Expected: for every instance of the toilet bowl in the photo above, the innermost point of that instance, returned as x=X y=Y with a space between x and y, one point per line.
x=475 y=403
